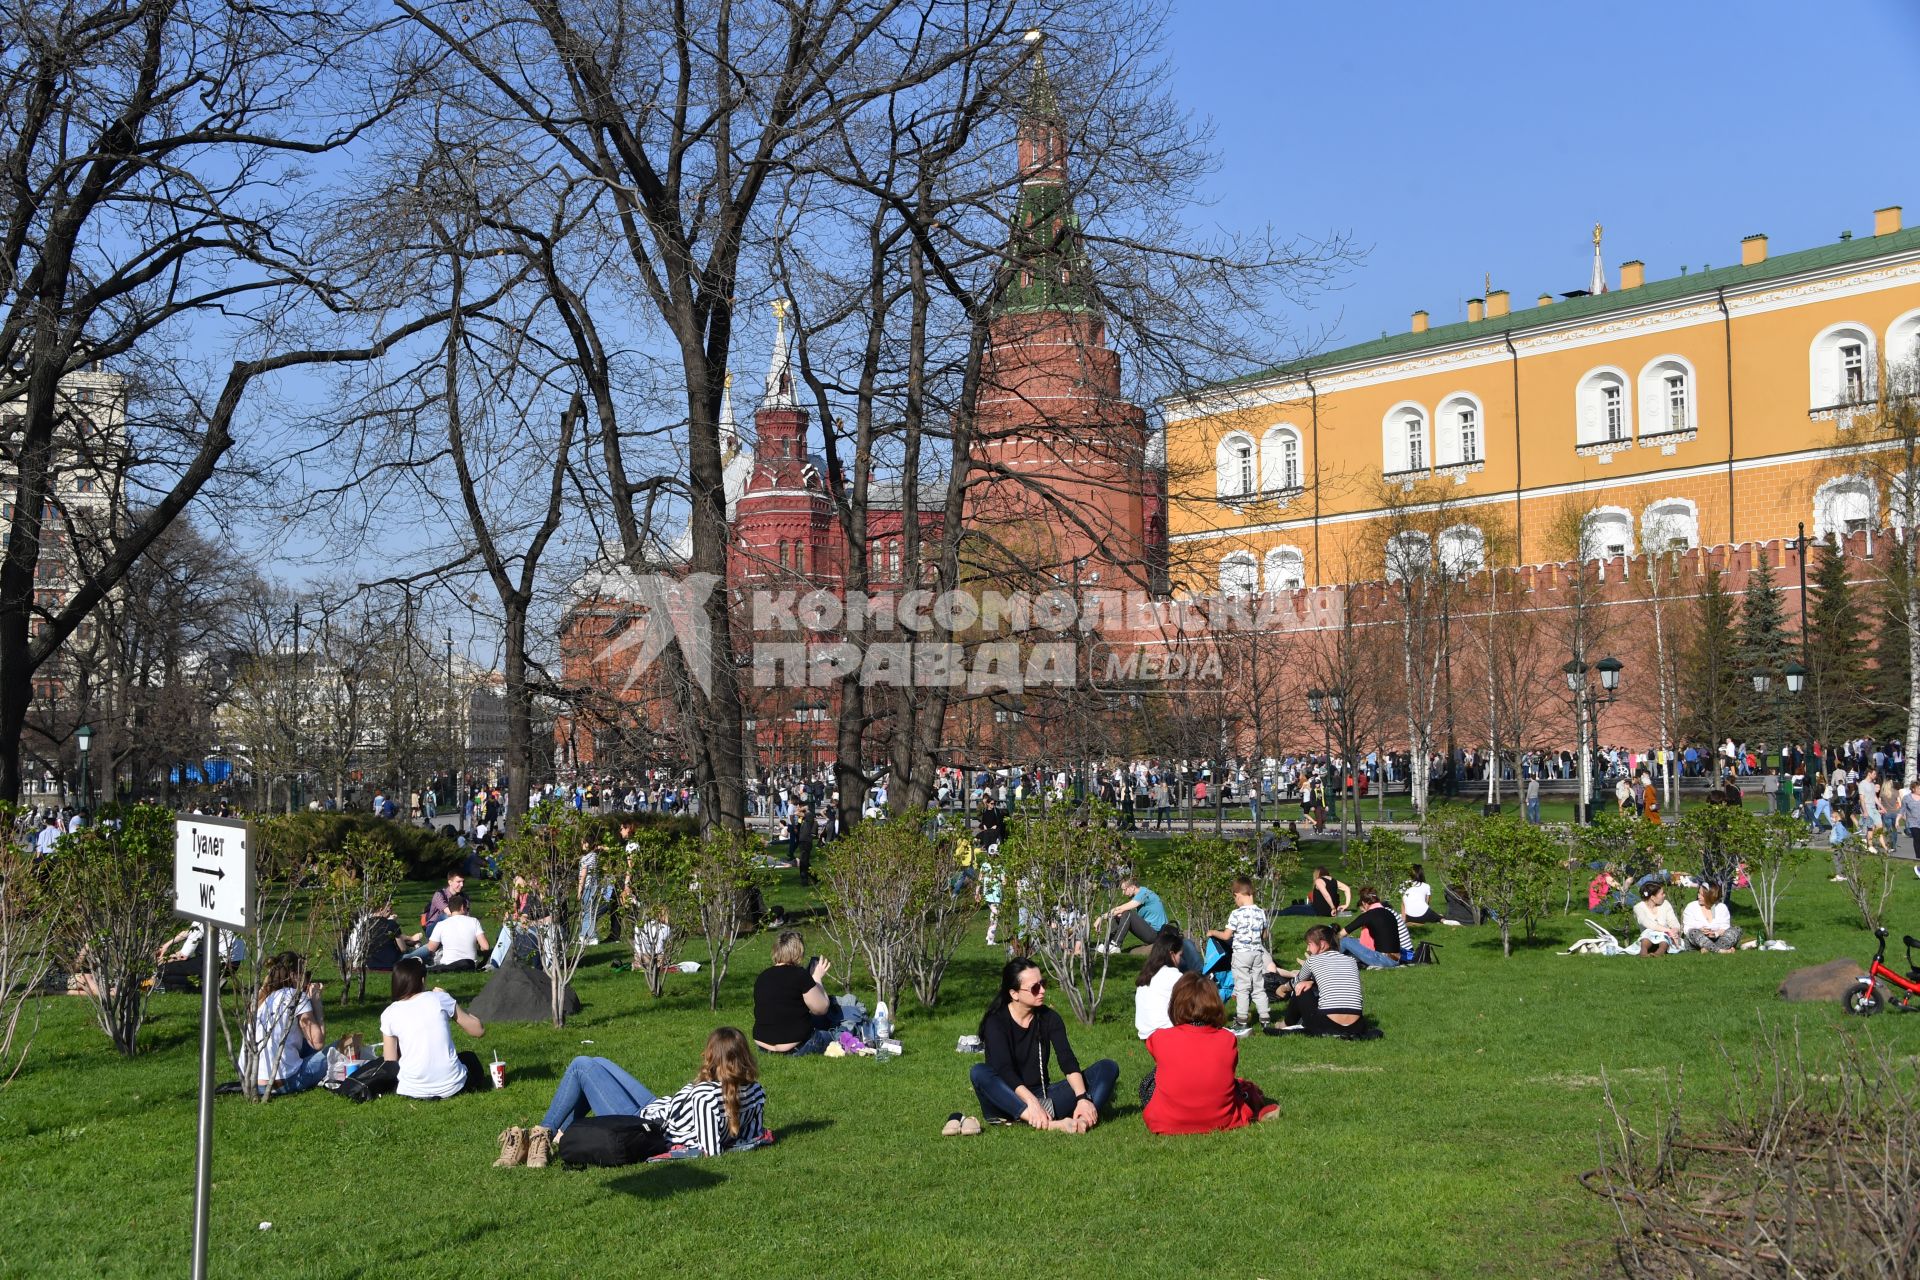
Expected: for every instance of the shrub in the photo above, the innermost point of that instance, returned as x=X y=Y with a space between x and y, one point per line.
x=1195 y=878
x=727 y=870
x=1060 y=871
x=1501 y=864
x=113 y=891
x=353 y=884
x=652 y=870
x=545 y=851
x=26 y=944
x=1381 y=862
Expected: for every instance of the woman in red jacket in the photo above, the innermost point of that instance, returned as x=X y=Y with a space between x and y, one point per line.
x=1194 y=1086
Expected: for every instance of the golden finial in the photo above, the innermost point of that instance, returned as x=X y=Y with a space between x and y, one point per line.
x=1596 y=234
x=780 y=310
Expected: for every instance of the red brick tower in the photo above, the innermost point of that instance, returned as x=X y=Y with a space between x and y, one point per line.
x=1061 y=489
x=784 y=524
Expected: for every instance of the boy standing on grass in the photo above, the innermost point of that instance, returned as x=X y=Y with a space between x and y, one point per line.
x=1247 y=931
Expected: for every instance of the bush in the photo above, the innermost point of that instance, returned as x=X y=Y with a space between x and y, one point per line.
x=1195 y=879
x=1060 y=872
x=26 y=943
x=545 y=851
x=1501 y=864
x=652 y=871
x=113 y=883
x=1381 y=862
x=727 y=871
x=424 y=854
x=355 y=882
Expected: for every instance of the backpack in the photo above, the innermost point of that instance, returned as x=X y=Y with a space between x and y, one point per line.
x=370 y=1081
x=611 y=1141
x=1426 y=953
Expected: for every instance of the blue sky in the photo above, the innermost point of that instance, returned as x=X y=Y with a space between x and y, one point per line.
x=1453 y=141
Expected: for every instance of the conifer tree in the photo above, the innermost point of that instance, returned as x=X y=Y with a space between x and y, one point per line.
x=1710 y=680
x=1833 y=706
x=1891 y=677
x=1761 y=647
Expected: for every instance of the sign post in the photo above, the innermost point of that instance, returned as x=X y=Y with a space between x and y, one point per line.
x=212 y=883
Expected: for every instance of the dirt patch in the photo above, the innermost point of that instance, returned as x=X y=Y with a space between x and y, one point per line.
x=1340 y=1068
x=1577 y=1080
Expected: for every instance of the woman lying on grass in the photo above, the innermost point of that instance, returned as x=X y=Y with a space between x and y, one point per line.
x=1194 y=1088
x=723 y=1107
x=1026 y=1045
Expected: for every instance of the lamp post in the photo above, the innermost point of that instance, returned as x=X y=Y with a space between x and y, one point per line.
x=1327 y=706
x=1587 y=701
x=1796 y=681
x=84 y=734
x=1806 y=655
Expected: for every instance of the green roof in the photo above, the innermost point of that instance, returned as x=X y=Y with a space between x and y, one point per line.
x=1675 y=289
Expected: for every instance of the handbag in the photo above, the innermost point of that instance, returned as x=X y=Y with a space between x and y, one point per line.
x=611 y=1141
x=370 y=1081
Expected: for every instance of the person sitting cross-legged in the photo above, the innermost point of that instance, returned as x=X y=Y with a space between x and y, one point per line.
x=1659 y=927
x=1325 y=995
x=723 y=1108
x=1707 y=925
x=1031 y=1074
x=792 y=1013
x=1195 y=1086
x=415 y=1034
x=457 y=941
x=1391 y=944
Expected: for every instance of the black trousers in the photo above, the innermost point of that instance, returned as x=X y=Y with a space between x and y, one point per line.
x=1131 y=923
x=1303 y=1008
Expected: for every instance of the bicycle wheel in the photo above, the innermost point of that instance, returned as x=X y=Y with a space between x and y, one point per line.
x=1864 y=998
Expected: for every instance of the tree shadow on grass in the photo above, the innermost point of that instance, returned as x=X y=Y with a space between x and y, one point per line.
x=670 y=1178
x=799 y=1127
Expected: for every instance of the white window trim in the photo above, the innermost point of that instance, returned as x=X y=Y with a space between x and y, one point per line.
x=1599 y=443
x=1393 y=428
x=1823 y=525
x=1226 y=467
x=1478 y=539
x=1271 y=478
x=1647 y=526
x=1653 y=401
x=1909 y=342
x=1824 y=347
x=1240 y=559
x=1405 y=538
x=1594 y=517
x=1444 y=425
x=1280 y=555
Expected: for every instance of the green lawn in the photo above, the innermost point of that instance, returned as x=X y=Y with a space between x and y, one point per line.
x=1449 y=1148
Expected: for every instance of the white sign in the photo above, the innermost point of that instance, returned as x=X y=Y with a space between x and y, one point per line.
x=213 y=871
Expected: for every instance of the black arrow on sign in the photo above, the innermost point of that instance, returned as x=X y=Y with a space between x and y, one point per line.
x=220 y=874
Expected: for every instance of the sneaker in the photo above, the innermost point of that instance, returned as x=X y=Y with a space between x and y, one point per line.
x=539 y=1146
x=1240 y=1029
x=513 y=1147
x=1269 y=1112
x=1837 y=880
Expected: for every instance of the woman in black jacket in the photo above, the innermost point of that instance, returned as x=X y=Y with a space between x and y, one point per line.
x=1030 y=1073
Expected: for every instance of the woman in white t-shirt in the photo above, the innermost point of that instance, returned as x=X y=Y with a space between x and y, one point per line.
x=415 y=1034
x=286 y=1043
x=1155 y=986
x=1416 y=898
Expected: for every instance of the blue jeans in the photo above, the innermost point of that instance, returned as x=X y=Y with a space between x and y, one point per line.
x=1533 y=812
x=1367 y=956
x=998 y=1101
x=596 y=1085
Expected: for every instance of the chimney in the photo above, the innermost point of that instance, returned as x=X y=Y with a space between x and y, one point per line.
x=1753 y=249
x=1476 y=310
x=1498 y=303
x=1886 y=221
x=1633 y=274
x=1419 y=322
x=1546 y=299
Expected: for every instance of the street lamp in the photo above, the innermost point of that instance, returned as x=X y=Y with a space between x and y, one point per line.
x=85 y=736
x=1326 y=706
x=1796 y=678
x=1587 y=701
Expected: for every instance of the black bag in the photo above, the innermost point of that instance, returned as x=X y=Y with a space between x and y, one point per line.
x=1426 y=953
x=371 y=1081
x=611 y=1141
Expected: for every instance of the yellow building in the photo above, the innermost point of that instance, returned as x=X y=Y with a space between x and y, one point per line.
x=1698 y=410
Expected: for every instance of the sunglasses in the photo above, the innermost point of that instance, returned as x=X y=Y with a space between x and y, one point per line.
x=1036 y=989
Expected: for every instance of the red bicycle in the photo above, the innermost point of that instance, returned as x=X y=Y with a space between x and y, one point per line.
x=1876 y=989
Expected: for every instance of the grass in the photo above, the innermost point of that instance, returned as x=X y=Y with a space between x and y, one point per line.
x=1449 y=1148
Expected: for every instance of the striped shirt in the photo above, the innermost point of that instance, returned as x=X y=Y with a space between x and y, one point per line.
x=697 y=1116
x=1336 y=976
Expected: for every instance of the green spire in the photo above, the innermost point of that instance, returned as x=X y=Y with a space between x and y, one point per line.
x=1048 y=269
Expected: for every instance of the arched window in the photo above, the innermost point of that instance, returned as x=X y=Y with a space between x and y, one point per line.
x=1605 y=412
x=1286 y=569
x=1667 y=397
x=1903 y=500
x=1606 y=532
x=1239 y=575
x=1672 y=524
x=1280 y=459
x=1841 y=367
x=1404 y=439
x=1234 y=463
x=1463 y=550
x=1408 y=556
x=1903 y=355
x=1844 y=505
x=1459 y=435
